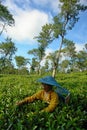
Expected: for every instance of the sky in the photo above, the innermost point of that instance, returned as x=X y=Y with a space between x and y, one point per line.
x=30 y=16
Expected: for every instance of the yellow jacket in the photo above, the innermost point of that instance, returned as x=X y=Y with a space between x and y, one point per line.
x=49 y=97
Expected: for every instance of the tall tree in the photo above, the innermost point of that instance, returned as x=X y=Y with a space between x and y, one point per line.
x=62 y=23
x=7 y=50
x=51 y=57
x=6 y=18
x=70 y=51
x=46 y=65
x=43 y=39
x=65 y=21
x=38 y=55
x=64 y=65
x=21 y=61
x=33 y=65
x=82 y=60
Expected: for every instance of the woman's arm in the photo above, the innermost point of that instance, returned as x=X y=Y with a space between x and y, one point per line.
x=31 y=98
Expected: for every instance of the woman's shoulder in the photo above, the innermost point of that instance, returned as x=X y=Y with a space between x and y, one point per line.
x=54 y=93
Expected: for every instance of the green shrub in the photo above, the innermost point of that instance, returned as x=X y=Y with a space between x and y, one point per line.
x=72 y=116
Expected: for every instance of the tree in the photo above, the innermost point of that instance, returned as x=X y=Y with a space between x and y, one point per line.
x=8 y=68
x=82 y=60
x=70 y=51
x=38 y=55
x=64 y=65
x=46 y=66
x=34 y=65
x=51 y=57
x=6 y=18
x=43 y=39
x=64 y=22
x=21 y=61
x=7 y=50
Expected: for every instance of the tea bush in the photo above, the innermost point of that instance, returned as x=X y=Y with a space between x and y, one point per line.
x=72 y=116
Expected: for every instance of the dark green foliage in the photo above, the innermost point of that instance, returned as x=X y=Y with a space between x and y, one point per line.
x=72 y=116
x=5 y=15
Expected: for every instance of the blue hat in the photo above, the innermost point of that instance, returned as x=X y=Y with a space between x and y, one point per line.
x=48 y=80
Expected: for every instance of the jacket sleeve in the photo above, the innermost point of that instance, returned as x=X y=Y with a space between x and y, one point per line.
x=53 y=103
x=31 y=98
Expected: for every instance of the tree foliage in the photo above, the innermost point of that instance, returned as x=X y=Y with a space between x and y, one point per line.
x=6 y=18
x=7 y=50
x=82 y=60
x=21 y=61
x=45 y=36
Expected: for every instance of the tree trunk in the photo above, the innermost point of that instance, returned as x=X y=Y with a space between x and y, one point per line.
x=3 y=27
x=54 y=72
x=57 y=59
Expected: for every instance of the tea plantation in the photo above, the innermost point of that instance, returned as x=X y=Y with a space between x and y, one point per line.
x=71 y=116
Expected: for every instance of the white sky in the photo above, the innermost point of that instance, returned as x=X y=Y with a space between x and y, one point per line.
x=28 y=19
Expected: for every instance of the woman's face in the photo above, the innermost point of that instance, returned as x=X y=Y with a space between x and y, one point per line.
x=46 y=87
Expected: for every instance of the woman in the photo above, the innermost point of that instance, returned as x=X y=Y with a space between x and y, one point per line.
x=47 y=94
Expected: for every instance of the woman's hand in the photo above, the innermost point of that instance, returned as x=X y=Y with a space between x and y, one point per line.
x=19 y=103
